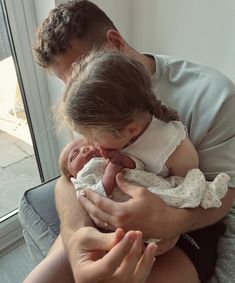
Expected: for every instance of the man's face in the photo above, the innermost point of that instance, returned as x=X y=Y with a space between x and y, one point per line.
x=62 y=63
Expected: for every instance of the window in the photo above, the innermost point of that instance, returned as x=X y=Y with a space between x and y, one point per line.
x=29 y=145
x=18 y=165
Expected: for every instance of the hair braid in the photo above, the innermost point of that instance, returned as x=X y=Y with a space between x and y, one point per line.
x=161 y=111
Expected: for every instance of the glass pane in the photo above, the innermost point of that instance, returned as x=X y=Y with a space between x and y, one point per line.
x=18 y=166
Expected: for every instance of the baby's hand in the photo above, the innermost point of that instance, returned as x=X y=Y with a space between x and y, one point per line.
x=113 y=155
x=112 y=169
x=109 y=177
x=104 y=152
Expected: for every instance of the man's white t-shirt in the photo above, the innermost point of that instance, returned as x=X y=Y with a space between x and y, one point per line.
x=205 y=101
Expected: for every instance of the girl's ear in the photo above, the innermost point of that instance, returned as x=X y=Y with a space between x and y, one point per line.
x=133 y=129
x=114 y=40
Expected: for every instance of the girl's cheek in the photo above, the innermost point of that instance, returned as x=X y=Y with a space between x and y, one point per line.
x=97 y=146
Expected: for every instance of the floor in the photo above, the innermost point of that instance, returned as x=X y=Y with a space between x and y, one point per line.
x=18 y=168
x=18 y=172
x=15 y=265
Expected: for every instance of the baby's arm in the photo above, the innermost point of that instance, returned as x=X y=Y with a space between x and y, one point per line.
x=116 y=157
x=109 y=177
x=116 y=161
x=183 y=159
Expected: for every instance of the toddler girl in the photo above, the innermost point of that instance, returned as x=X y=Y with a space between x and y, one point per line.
x=83 y=163
x=109 y=101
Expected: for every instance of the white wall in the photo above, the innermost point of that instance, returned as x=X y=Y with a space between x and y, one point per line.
x=120 y=13
x=202 y=30
x=118 y=10
x=54 y=85
x=198 y=30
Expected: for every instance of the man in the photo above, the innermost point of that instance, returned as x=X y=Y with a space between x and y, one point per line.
x=205 y=101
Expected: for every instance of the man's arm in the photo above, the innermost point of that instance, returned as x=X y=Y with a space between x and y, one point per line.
x=199 y=217
x=72 y=215
x=146 y=212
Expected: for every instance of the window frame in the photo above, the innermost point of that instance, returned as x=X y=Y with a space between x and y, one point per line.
x=21 y=20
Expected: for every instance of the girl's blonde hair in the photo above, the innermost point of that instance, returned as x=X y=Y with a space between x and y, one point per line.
x=109 y=89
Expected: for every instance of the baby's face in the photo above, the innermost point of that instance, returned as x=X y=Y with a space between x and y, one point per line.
x=80 y=153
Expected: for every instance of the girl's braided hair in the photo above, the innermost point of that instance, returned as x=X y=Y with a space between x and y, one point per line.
x=109 y=89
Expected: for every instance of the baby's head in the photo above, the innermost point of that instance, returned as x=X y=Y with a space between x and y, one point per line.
x=75 y=155
x=109 y=98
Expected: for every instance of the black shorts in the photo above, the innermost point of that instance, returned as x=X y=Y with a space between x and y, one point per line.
x=201 y=247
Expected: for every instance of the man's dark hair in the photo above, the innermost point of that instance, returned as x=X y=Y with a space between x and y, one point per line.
x=77 y=19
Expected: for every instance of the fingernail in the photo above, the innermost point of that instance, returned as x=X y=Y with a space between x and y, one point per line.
x=130 y=236
x=120 y=176
x=153 y=250
x=82 y=194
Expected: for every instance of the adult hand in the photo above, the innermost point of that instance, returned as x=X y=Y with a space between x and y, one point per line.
x=145 y=211
x=124 y=263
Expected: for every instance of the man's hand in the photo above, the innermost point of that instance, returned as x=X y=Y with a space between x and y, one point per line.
x=144 y=211
x=97 y=257
x=124 y=263
x=148 y=213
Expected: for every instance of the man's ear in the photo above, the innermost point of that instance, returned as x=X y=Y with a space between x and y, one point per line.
x=114 y=40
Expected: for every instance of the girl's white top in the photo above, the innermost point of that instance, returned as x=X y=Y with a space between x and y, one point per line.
x=156 y=144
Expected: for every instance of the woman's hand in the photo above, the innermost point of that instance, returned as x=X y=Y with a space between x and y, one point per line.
x=145 y=211
x=124 y=263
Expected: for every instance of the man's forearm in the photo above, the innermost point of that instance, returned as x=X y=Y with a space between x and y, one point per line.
x=71 y=214
x=195 y=218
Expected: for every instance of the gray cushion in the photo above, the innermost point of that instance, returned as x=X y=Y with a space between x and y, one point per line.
x=38 y=216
